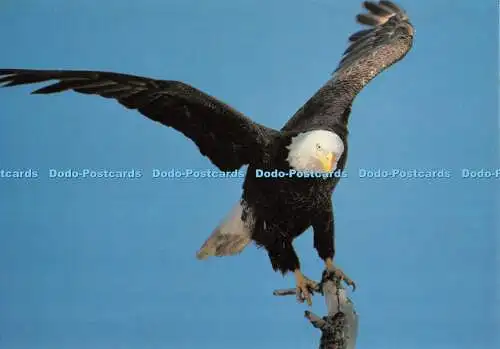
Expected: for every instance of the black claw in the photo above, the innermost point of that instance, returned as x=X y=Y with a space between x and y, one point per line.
x=340 y=275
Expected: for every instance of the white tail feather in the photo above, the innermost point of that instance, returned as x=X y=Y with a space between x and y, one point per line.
x=231 y=236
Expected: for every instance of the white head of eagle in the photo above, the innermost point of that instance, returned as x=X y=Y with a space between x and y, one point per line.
x=317 y=150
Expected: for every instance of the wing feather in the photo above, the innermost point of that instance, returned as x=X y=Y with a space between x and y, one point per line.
x=370 y=52
x=227 y=137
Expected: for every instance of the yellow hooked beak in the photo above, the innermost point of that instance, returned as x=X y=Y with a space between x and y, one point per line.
x=327 y=161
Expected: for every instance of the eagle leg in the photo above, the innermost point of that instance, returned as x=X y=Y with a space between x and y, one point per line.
x=304 y=287
x=339 y=274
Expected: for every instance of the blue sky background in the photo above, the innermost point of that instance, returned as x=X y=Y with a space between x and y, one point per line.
x=111 y=263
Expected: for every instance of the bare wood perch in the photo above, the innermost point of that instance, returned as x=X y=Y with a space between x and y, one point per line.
x=339 y=328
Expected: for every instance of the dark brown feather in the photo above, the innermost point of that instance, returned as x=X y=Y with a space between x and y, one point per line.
x=227 y=137
x=370 y=52
x=377 y=9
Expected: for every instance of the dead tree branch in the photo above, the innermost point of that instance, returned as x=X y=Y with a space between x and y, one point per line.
x=339 y=328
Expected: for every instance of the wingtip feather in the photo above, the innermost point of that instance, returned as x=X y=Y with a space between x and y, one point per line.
x=377 y=9
x=368 y=19
x=379 y=13
x=377 y=17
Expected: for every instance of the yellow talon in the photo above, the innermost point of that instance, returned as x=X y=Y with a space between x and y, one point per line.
x=304 y=286
x=339 y=274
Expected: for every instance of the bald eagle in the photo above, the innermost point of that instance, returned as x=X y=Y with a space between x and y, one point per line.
x=271 y=212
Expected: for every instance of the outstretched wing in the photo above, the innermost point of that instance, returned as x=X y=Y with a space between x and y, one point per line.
x=370 y=52
x=227 y=137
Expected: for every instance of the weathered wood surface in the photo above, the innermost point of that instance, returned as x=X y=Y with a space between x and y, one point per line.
x=339 y=328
